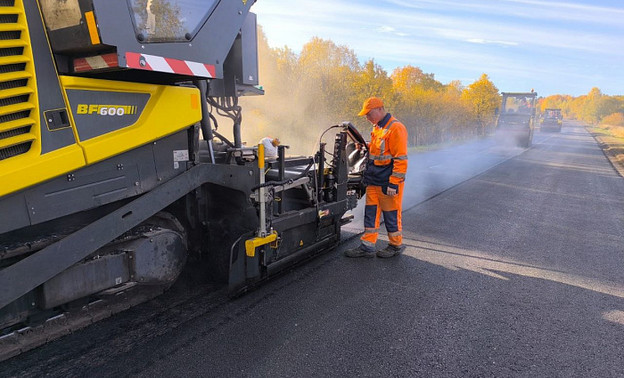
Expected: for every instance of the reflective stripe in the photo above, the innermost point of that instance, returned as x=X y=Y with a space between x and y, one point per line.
x=368 y=245
x=398 y=175
x=371 y=230
x=397 y=233
x=390 y=123
x=380 y=157
x=387 y=157
x=382 y=145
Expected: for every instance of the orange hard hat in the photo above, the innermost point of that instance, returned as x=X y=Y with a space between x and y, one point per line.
x=369 y=104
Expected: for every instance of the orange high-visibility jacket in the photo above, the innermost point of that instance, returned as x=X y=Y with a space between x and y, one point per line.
x=387 y=156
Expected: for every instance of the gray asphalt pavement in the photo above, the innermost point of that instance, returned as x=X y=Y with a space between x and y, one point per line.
x=514 y=267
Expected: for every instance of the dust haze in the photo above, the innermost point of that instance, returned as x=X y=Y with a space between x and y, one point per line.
x=284 y=118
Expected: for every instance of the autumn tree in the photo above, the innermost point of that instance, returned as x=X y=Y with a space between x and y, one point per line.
x=325 y=84
x=592 y=107
x=455 y=87
x=371 y=80
x=408 y=78
x=305 y=93
x=327 y=72
x=483 y=99
x=269 y=114
x=458 y=114
x=615 y=119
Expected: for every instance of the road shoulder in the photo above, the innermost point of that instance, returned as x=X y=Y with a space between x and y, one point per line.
x=612 y=147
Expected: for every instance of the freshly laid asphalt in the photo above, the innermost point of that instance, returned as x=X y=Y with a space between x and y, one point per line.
x=514 y=266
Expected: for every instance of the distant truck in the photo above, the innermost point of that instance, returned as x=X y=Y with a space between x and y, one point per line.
x=516 y=119
x=551 y=120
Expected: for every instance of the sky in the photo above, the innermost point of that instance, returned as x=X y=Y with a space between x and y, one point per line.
x=553 y=47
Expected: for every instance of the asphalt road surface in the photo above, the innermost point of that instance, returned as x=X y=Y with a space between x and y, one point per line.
x=514 y=267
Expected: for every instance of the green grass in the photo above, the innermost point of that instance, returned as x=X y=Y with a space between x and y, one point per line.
x=609 y=131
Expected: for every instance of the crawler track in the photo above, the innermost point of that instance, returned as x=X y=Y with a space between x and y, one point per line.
x=61 y=324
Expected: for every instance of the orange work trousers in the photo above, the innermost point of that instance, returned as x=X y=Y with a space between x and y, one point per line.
x=376 y=204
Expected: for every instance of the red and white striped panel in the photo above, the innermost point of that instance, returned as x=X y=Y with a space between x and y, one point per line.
x=161 y=64
x=95 y=62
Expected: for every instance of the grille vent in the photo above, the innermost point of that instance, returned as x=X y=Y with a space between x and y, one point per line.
x=17 y=96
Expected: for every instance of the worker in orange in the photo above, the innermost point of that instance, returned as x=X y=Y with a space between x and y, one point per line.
x=385 y=179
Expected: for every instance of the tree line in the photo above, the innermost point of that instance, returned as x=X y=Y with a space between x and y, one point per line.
x=325 y=84
x=594 y=107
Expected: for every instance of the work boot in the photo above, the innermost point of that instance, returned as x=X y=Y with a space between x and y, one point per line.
x=390 y=251
x=360 y=251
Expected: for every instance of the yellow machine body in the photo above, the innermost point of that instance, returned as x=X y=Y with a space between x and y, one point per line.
x=168 y=109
